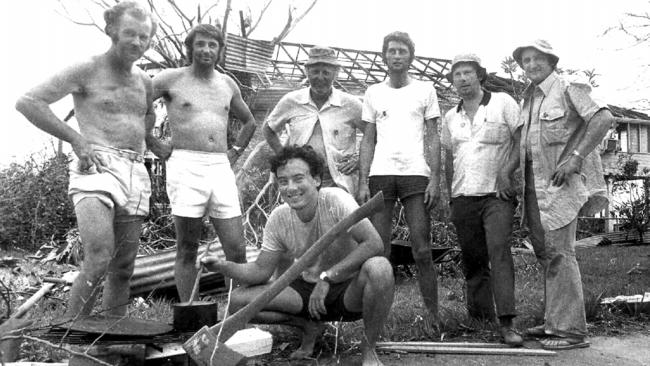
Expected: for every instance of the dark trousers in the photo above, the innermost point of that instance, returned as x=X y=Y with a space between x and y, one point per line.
x=484 y=228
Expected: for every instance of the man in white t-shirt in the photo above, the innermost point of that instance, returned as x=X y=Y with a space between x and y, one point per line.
x=480 y=137
x=350 y=280
x=400 y=155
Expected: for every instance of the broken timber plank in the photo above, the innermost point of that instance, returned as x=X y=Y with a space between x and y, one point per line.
x=467 y=350
x=249 y=342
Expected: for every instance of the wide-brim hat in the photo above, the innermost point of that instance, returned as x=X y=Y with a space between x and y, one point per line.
x=540 y=45
x=322 y=55
x=465 y=58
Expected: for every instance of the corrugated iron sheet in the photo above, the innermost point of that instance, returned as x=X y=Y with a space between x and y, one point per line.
x=249 y=55
x=265 y=100
x=157 y=271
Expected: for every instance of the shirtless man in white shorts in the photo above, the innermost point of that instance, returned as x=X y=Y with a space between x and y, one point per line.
x=109 y=184
x=199 y=177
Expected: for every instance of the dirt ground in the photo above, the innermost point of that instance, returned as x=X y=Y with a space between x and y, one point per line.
x=628 y=350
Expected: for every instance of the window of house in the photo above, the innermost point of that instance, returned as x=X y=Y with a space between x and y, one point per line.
x=633 y=138
x=622 y=138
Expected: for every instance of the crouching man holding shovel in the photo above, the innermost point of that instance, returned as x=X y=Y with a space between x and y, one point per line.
x=348 y=281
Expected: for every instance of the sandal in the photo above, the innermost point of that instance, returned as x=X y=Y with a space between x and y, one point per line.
x=557 y=344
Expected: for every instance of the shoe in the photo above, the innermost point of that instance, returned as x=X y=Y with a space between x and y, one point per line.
x=511 y=337
x=558 y=343
x=537 y=331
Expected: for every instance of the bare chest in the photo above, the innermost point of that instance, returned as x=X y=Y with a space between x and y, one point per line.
x=113 y=96
x=188 y=96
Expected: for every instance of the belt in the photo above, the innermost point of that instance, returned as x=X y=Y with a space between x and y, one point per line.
x=476 y=198
x=127 y=154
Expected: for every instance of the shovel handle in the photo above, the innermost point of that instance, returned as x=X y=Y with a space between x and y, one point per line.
x=239 y=319
x=195 y=288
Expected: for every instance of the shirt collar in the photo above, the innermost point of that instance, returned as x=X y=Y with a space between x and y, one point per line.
x=484 y=101
x=305 y=98
x=544 y=86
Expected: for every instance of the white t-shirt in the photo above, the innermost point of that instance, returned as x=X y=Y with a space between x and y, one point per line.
x=286 y=233
x=399 y=115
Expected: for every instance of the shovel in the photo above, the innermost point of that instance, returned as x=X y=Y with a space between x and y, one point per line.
x=192 y=315
x=201 y=346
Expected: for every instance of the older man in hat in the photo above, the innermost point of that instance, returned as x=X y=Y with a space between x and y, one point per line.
x=480 y=137
x=563 y=125
x=324 y=118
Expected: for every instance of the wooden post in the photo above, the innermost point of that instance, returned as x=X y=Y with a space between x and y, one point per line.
x=242 y=24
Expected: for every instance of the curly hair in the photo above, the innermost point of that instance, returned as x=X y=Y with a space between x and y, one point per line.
x=305 y=153
x=113 y=15
x=207 y=30
x=401 y=37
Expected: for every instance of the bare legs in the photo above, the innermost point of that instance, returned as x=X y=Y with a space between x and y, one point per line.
x=120 y=269
x=110 y=247
x=418 y=222
x=188 y=233
x=372 y=291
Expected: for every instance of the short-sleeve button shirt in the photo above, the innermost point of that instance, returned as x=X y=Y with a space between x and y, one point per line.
x=481 y=147
x=339 y=119
x=555 y=115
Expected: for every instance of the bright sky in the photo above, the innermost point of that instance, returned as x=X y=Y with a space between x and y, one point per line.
x=38 y=42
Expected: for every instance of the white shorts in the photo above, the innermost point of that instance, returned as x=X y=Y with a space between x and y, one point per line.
x=202 y=182
x=123 y=184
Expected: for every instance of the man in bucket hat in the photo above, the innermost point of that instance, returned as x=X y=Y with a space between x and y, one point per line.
x=325 y=118
x=481 y=138
x=562 y=126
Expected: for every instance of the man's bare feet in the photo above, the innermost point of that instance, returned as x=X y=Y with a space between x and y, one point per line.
x=310 y=332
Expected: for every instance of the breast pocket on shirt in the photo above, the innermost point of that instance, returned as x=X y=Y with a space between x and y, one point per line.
x=552 y=124
x=493 y=133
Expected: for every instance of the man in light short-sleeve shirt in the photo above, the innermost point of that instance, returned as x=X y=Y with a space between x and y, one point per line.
x=480 y=137
x=400 y=155
x=322 y=117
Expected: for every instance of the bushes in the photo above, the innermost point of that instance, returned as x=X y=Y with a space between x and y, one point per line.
x=34 y=204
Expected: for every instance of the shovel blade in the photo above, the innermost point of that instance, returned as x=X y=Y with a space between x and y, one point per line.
x=201 y=346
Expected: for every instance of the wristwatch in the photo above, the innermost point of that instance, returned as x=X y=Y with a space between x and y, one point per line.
x=324 y=277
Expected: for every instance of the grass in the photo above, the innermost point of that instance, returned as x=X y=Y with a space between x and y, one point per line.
x=604 y=274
